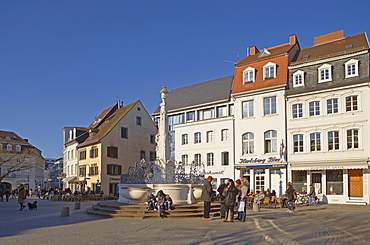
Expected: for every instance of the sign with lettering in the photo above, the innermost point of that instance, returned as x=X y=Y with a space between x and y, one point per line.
x=259 y=160
x=214 y=172
x=327 y=168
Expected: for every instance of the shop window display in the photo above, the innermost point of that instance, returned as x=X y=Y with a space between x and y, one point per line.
x=334 y=182
x=300 y=181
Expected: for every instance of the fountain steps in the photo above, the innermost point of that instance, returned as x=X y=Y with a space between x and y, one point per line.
x=118 y=210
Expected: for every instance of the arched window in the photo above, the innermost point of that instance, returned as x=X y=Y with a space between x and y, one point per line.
x=270 y=141
x=248 y=143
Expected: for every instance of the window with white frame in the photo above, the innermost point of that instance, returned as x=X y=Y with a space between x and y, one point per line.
x=270 y=141
x=185 y=139
x=324 y=73
x=231 y=110
x=18 y=148
x=9 y=147
x=185 y=160
x=248 y=75
x=352 y=139
x=314 y=108
x=209 y=136
x=197 y=159
x=197 y=138
x=206 y=114
x=351 y=103
x=333 y=140
x=297 y=110
x=269 y=105
x=351 y=68
x=222 y=111
x=315 y=141
x=248 y=109
x=210 y=159
x=190 y=116
x=298 y=78
x=269 y=70
x=224 y=135
x=332 y=106
x=298 y=143
x=225 y=158
x=248 y=143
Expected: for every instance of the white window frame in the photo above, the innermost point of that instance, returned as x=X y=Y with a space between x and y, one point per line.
x=298 y=143
x=323 y=68
x=270 y=140
x=184 y=139
x=297 y=110
x=352 y=103
x=270 y=105
x=224 y=134
x=185 y=160
x=209 y=136
x=335 y=106
x=315 y=108
x=18 y=148
x=355 y=139
x=210 y=159
x=297 y=75
x=269 y=65
x=9 y=147
x=247 y=109
x=197 y=138
x=197 y=159
x=249 y=75
x=334 y=140
x=248 y=143
x=315 y=142
x=347 y=65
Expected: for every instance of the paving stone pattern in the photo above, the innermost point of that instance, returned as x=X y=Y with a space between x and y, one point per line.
x=325 y=224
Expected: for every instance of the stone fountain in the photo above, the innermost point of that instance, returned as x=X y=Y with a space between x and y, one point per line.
x=164 y=174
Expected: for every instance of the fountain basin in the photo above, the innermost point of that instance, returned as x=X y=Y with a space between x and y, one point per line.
x=180 y=193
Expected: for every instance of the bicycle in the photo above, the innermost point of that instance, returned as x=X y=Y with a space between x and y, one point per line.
x=302 y=199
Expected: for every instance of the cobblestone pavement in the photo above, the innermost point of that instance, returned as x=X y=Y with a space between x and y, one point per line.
x=325 y=224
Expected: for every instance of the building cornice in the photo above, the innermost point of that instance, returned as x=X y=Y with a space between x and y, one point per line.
x=259 y=91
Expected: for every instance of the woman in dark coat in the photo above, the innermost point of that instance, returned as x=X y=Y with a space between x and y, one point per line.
x=230 y=193
x=21 y=196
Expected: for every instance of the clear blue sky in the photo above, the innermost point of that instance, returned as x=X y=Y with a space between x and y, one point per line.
x=63 y=62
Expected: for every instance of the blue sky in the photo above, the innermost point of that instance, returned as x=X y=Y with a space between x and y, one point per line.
x=63 y=62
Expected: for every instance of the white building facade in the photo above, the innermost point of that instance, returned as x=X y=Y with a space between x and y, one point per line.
x=328 y=119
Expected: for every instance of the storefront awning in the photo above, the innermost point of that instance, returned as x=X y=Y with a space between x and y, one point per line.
x=260 y=166
x=69 y=179
x=328 y=165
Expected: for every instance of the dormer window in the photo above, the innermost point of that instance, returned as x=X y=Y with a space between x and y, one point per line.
x=9 y=147
x=269 y=71
x=324 y=73
x=248 y=75
x=298 y=78
x=264 y=52
x=18 y=148
x=351 y=68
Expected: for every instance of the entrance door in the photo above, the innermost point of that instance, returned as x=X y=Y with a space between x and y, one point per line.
x=355 y=182
x=316 y=182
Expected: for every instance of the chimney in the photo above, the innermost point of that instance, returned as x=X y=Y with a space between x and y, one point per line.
x=253 y=50
x=328 y=37
x=292 y=39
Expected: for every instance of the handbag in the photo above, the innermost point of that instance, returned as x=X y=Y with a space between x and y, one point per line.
x=241 y=206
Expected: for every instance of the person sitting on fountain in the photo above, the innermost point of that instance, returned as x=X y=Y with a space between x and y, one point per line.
x=167 y=202
x=152 y=202
x=160 y=202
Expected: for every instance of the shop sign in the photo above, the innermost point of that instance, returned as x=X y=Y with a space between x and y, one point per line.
x=259 y=160
x=327 y=168
x=214 y=172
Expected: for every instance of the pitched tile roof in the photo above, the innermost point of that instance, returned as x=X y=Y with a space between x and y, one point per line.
x=275 y=52
x=354 y=44
x=198 y=94
x=103 y=115
x=107 y=124
x=11 y=137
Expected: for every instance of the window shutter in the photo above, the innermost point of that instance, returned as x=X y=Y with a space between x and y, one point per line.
x=108 y=152
x=96 y=152
x=119 y=169
x=116 y=152
x=91 y=153
x=96 y=170
x=109 y=169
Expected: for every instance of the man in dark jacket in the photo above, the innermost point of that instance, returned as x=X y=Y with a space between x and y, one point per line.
x=312 y=196
x=290 y=201
x=207 y=195
x=222 y=198
x=230 y=193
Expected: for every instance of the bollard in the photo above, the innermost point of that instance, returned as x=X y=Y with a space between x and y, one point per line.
x=65 y=212
x=256 y=207
x=77 y=205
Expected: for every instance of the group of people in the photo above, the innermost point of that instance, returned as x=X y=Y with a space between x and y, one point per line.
x=236 y=193
x=160 y=202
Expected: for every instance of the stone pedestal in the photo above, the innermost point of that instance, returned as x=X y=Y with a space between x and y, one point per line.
x=77 y=205
x=256 y=207
x=65 y=212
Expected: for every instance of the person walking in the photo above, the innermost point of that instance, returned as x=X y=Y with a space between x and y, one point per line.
x=312 y=196
x=7 y=194
x=206 y=197
x=290 y=198
x=21 y=196
x=230 y=194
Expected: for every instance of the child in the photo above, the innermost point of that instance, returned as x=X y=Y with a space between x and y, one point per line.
x=151 y=201
x=167 y=202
